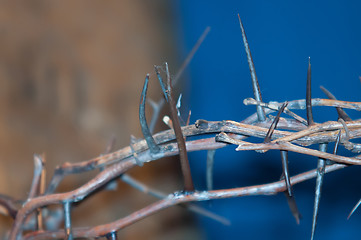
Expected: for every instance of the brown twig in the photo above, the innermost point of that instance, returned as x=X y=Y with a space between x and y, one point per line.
x=178 y=198
x=301 y=104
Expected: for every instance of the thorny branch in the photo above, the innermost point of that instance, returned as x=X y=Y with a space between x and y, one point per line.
x=292 y=134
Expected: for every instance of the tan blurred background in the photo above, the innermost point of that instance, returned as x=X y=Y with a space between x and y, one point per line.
x=71 y=74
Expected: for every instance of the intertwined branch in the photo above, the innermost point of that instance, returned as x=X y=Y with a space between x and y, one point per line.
x=292 y=133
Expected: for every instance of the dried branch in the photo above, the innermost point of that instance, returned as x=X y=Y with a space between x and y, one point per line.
x=294 y=135
x=178 y=198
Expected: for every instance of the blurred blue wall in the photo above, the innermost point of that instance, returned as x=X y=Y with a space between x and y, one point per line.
x=282 y=35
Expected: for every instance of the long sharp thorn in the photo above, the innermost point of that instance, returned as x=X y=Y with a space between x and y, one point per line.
x=308 y=95
x=190 y=55
x=289 y=195
x=273 y=126
x=67 y=219
x=284 y=157
x=210 y=164
x=186 y=62
x=293 y=207
x=321 y=164
x=154 y=148
x=341 y=113
x=161 y=82
x=188 y=182
x=354 y=209
x=256 y=90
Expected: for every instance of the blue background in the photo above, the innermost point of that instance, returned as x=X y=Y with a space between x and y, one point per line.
x=282 y=35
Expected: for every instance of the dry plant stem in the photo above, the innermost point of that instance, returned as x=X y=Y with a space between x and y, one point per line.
x=121 y=167
x=275 y=107
x=256 y=90
x=327 y=126
x=301 y=104
x=73 y=196
x=160 y=195
x=291 y=147
x=188 y=182
x=209 y=128
x=177 y=198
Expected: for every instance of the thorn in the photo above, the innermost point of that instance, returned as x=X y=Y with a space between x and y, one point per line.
x=256 y=90
x=67 y=219
x=161 y=82
x=321 y=164
x=190 y=55
x=341 y=113
x=308 y=95
x=284 y=157
x=209 y=172
x=354 y=209
x=112 y=236
x=347 y=132
x=273 y=126
x=153 y=147
x=188 y=182
x=293 y=207
x=159 y=105
x=337 y=143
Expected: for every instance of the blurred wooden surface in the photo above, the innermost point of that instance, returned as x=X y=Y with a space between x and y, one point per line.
x=71 y=74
